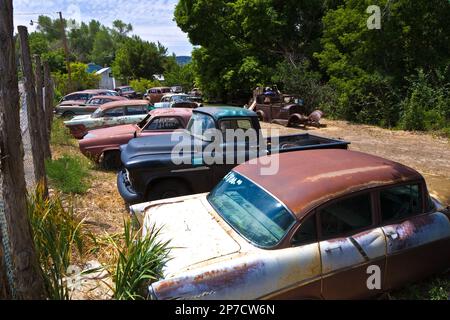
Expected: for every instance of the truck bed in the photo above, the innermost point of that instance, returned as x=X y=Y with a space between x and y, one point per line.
x=304 y=142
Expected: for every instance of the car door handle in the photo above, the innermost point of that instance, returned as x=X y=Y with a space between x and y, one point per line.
x=331 y=249
x=393 y=235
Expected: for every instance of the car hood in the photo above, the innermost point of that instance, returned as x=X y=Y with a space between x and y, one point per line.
x=79 y=118
x=196 y=233
x=113 y=131
x=138 y=149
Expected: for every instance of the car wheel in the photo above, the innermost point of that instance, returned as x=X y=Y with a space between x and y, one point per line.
x=111 y=160
x=167 y=189
x=68 y=114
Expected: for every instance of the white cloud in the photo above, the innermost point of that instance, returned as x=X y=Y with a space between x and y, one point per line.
x=151 y=20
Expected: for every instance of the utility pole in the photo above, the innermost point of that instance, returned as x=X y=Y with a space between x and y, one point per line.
x=66 y=49
x=20 y=275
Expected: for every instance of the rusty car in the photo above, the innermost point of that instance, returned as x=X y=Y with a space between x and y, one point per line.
x=127 y=92
x=109 y=115
x=150 y=170
x=103 y=145
x=68 y=109
x=154 y=95
x=177 y=100
x=338 y=218
x=285 y=109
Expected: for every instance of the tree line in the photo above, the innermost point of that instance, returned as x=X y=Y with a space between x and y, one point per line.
x=132 y=59
x=397 y=76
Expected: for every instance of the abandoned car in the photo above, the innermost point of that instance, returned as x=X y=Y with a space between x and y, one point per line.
x=155 y=95
x=285 y=109
x=151 y=172
x=68 y=109
x=108 y=115
x=177 y=100
x=127 y=92
x=103 y=145
x=332 y=224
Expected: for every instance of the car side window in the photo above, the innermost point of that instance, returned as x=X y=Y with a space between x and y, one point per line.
x=400 y=202
x=136 y=110
x=168 y=123
x=306 y=233
x=116 y=112
x=83 y=97
x=229 y=124
x=345 y=216
x=72 y=97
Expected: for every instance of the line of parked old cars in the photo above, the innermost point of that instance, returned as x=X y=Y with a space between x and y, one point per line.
x=315 y=228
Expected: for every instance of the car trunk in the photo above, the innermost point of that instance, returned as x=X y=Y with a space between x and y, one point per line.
x=194 y=233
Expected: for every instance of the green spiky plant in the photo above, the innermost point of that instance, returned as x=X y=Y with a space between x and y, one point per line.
x=59 y=237
x=140 y=261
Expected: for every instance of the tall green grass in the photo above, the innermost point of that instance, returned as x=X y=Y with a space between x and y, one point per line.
x=69 y=174
x=60 y=134
x=140 y=261
x=59 y=238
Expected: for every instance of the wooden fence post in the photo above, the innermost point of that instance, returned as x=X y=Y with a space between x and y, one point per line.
x=49 y=96
x=38 y=72
x=32 y=111
x=20 y=275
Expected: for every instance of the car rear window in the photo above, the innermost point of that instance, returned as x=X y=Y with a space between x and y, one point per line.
x=400 y=202
x=344 y=216
x=251 y=211
x=136 y=110
x=165 y=123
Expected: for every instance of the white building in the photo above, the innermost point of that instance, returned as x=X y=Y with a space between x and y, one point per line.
x=107 y=81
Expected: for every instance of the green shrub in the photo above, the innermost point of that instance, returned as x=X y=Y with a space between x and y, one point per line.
x=60 y=135
x=426 y=107
x=142 y=85
x=81 y=79
x=140 y=261
x=58 y=237
x=69 y=174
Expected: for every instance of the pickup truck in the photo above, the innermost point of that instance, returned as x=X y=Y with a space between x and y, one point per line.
x=153 y=167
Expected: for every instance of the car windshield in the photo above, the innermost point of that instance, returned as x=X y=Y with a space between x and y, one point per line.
x=97 y=113
x=199 y=123
x=179 y=98
x=251 y=211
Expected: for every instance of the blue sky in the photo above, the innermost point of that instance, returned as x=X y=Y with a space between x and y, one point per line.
x=151 y=20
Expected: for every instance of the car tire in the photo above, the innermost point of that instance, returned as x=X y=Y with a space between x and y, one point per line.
x=68 y=114
x=165 y=189
x=111 y=160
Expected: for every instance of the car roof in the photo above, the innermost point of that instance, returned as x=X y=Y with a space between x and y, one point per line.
x=124 y=103
x=175 y=94
x=108 y=97
x=159 y=88
x=309 y=178
x=181 y=112
x=225 y=111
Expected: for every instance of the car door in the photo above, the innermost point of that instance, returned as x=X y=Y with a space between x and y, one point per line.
x=418 y=237
x=352 y=247
x=302 y=261
x=113 y=116
x=135 y=114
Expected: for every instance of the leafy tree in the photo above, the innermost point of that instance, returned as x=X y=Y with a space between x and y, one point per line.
x=81 y=79
x=103 y=48
x=137 y=59
x=370 y=67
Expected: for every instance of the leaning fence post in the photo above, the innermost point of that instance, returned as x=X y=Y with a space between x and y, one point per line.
x=49 y=95
x=40 y=115
x=20 y=275
x=32 y=112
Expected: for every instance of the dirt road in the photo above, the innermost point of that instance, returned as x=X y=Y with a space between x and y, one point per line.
x=427 y=154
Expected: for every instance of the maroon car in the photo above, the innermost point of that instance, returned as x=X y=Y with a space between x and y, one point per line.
x=103 y=145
